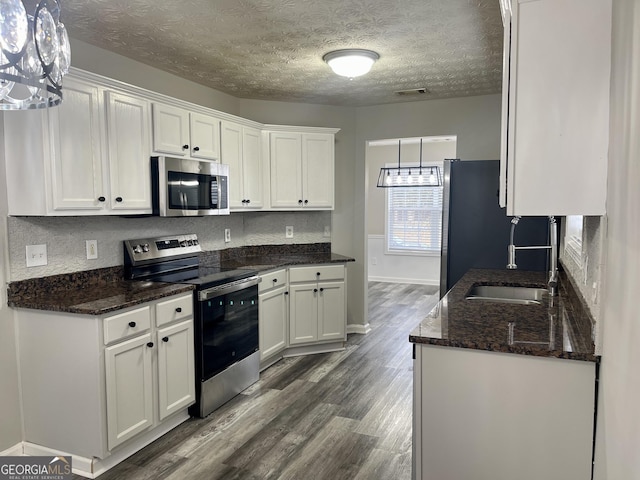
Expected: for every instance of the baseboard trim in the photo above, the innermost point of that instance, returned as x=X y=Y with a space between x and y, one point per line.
x=16 y=451
x=359 y=329
x=311 y=349
x=93 y=467
x=414 y=281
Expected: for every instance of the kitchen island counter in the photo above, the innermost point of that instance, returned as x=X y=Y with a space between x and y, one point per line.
x=560 y=327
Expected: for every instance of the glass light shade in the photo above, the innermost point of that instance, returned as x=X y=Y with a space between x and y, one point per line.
x=34 y=55
x=352 y=62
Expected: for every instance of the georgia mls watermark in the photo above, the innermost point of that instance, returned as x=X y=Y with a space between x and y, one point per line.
x=35 y=468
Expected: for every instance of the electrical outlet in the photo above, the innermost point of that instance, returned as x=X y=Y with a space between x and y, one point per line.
x=374 y=260
x=327 y=231
x=36 y=255
x=92 y=249
x=227 y=235
x=288 y=231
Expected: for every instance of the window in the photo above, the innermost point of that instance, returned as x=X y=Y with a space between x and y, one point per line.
x=414 y=218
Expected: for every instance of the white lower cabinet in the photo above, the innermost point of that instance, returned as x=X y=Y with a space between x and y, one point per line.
x=112 y=384
x=318 y=304
x=481 y=415
x=273 y=317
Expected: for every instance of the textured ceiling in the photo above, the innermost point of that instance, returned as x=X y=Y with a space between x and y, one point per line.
x=272 y=49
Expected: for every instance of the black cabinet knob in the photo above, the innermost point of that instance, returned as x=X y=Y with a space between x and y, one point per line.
x=315 y=290
x=196 y=149
x=286 y=293
x=318 y=273
x=150 y=344
x=248 y=201
x=165 y=339
x=300 y=202
x=185 y=147
x=101 y=199
x=306 y=201
x=244 y=201
x=132 y=324
x=118 y=199
x=322 y=289
x=275 y=280
x=179 y=309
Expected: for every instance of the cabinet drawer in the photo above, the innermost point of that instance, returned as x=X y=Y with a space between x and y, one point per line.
x=316 y=273
x=126 y=324
x=272 y=280
x=174 y=309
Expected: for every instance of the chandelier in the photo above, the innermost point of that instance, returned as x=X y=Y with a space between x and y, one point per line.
x=35 y=55
x=421 y=176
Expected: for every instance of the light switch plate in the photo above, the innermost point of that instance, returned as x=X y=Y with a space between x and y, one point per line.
x=92 y=249
x=36 y=255
x=288 y=231
x=327 y=231
x=227 y=235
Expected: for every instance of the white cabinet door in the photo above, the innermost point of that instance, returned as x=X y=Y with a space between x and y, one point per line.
x=331 y=314
x=252 y=167
x=129 y=389
x=231 y=154
x=77 y=170
x=176 y=374
x=303 y=313
x=204 y=136
x=317 y=170
x=558 y=120
x=272 y=308
x=286 y=170
x=129 y=155
x=170 y=130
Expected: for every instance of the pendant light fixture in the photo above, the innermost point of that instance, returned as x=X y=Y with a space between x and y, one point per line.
x=405 y=176
x=34 y=55
x=351 y=62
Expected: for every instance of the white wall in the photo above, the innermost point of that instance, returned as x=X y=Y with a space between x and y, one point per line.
x=618 y=434
x=474 y=120
x=10 y=414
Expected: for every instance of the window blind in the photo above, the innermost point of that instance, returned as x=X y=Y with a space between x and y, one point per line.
x=414 y=218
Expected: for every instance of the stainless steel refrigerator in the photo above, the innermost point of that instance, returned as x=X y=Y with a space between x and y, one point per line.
x=475 y=230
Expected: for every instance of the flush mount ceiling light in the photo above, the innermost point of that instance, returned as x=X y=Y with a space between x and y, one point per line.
x=351 y=62
x=34 y=55
x=422 y=176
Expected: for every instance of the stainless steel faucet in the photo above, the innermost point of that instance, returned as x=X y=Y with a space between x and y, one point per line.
x=553 y=246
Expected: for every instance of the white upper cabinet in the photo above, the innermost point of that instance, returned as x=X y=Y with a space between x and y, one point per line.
x=241 y=150
x=178 y=132
x=129 y=155
x=302 y=170
x=88 y=156
x=77 y=143
x=556 y=118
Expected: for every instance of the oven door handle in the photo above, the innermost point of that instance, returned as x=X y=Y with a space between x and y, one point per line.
x=213 y=292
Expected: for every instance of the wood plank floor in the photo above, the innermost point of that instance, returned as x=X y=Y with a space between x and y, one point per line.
x=343 y=415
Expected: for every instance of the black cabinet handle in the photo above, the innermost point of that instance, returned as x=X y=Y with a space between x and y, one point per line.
x=179 y=309
x=315 y=290
x=150 y=344
x=185 y=147
x=300 y=202
x=196 y=149
x=165 y=339
x=132 y=324
x=306 y=201
x=101 y=199
x=118 y=199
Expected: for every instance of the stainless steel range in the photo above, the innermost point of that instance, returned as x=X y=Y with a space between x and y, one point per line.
x=226 y=314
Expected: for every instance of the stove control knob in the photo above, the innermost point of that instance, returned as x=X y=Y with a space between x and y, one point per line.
x=195 y=241
x=137 y=249
x=145 y=247
x=190 y=242
x=183 y=243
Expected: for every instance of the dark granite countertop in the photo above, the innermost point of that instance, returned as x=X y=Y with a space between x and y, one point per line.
x=101 y=291
x=560 y=327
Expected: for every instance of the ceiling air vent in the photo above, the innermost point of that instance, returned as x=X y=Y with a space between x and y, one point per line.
x=412 y=91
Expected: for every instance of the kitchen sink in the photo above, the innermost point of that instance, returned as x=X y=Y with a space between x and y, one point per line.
x=502 y=294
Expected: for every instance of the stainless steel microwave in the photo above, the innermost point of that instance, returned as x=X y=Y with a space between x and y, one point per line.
x=182 y=187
